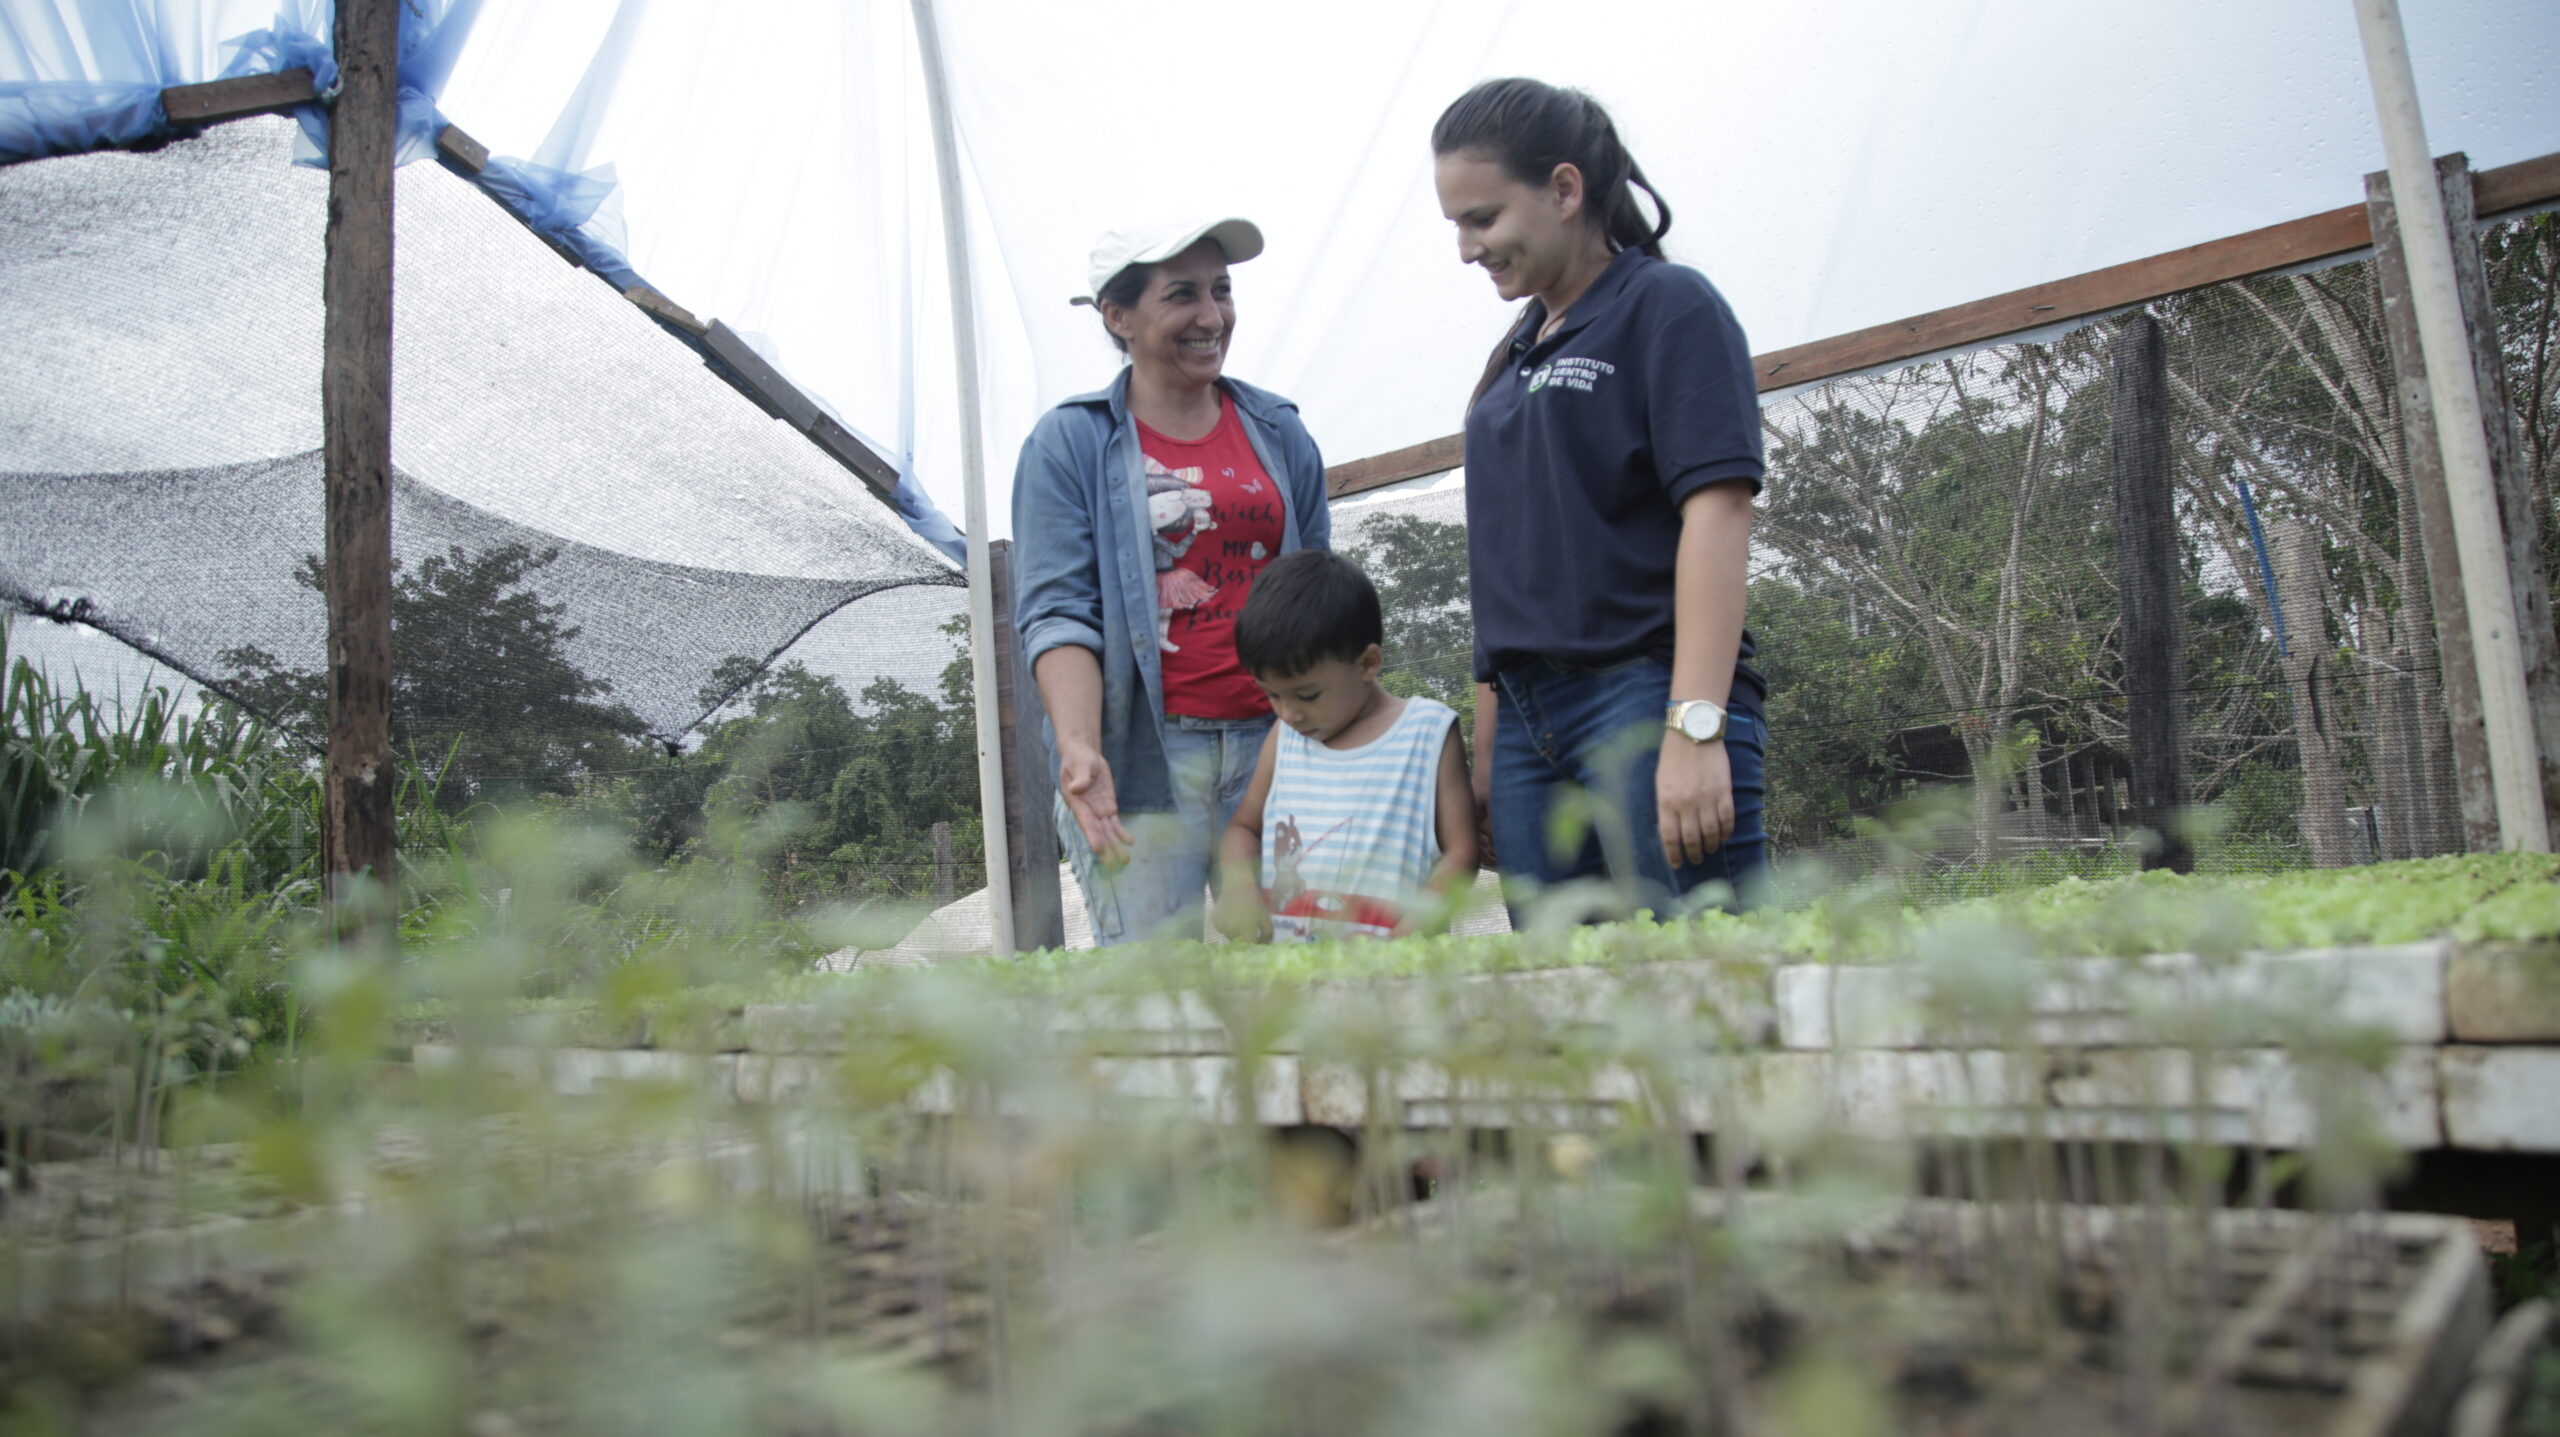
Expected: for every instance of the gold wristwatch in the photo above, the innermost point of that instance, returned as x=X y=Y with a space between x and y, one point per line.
x=1697 y=720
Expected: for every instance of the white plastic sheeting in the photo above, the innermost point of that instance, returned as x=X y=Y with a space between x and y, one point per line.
x=1832 y=166
x=155 y=42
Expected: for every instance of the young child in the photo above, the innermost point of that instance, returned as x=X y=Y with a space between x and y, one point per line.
x=1364 y=794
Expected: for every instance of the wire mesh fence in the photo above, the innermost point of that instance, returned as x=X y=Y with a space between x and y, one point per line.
x=1940 y=574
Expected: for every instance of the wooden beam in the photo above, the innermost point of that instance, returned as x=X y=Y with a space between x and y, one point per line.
x=747 y=370
x=455 y=144
x=762 y=382
x=567 y=255
x=218 y=100
x=2316 y=237
x=1438 y=456
x=2313 y=237
x=355 y=417
x=852 y=453
x=662 y=308
x=2514 y=187
x=265 y=94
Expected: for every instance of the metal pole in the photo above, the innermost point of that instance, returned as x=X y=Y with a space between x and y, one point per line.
x=2515 y=765
x=973 y=479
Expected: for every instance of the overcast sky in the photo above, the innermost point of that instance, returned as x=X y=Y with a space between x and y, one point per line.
x=1831 y=166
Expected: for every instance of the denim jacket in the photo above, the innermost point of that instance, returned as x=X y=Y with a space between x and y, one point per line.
x=1084 y=558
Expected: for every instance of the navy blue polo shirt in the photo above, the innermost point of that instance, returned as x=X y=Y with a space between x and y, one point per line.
x=1579 y=456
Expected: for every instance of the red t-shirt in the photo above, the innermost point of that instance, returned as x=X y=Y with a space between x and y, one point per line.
x=1217 y=521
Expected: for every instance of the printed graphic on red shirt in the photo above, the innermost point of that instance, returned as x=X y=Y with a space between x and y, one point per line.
x=1217 y=519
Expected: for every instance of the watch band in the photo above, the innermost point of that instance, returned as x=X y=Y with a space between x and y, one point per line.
x=1677 y=711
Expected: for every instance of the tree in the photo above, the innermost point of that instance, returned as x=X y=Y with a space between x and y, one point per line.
x=1420 y=568
x=2523 y=263
x=2286 y=385
x=1937 y=492
x=844 y=793
x=1835 y=672
x=484 y=697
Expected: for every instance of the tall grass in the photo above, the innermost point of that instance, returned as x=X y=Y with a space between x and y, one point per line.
x=162 y=914
x=224 y=779
x=159 y=873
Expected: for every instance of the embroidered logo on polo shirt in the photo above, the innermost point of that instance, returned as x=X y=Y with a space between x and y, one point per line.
x=1571 y=373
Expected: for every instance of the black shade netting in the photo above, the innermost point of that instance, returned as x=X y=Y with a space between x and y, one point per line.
x=572 y=485
x=184 y=565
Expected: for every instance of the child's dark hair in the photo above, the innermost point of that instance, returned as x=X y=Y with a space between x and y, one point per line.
x=1308 y=606
x=1529 y=127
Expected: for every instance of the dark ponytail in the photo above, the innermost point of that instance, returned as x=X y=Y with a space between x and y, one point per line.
x=1529 y=127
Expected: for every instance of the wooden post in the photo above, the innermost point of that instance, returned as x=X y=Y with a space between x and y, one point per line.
x=2066 y=782
x=2138 y=463
x=2479 y=530
x=2458 y=671
x=945 y=881
x=2520 y=518
x=355 y=419
x=2035 y=823
x=2408 y=748
x=2518 y=514
x=1030 y=785
x=2319 y=729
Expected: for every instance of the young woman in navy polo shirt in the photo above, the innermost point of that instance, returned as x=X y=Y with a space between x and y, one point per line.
x=1613 y=452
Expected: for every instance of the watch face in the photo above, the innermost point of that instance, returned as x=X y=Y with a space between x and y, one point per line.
x=1700 y=722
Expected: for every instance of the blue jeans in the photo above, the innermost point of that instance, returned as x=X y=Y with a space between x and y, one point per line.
x=1574 y=750
x=1172 y=856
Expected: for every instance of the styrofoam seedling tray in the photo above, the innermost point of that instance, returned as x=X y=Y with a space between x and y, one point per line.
x=2301 y=1324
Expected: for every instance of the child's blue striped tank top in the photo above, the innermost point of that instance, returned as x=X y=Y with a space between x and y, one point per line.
x=1349 y=835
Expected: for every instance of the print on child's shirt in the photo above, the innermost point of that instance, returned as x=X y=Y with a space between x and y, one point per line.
x=1300 y=913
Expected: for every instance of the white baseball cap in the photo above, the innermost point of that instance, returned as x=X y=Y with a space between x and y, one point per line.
x=1153 y=244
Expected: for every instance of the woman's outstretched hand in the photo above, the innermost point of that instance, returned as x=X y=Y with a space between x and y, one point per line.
x=1084 y=778
x=1693 y=798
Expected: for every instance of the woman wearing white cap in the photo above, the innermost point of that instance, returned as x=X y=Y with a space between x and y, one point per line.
x=1142 y=513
